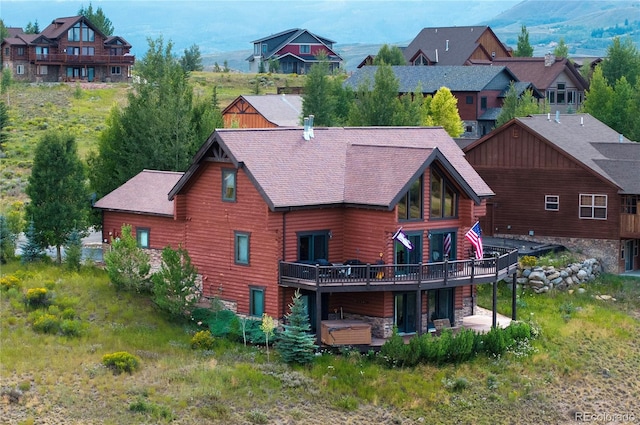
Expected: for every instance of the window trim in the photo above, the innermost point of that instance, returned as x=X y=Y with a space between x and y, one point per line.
x=228 y=172
x=305 y=49
x=237 y=257
x=252 y=307
x=139 y=232
x=592 y=206
x=548 y=203
x=19 y=69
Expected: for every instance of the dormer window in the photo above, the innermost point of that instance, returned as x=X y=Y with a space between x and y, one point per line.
x=410 y=205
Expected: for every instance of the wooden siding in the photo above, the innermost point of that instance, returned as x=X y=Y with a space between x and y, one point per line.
x=211 y=224
x=163 y=231
x=522 y=170
x=242 y=114
x=630 y=225
x=490 y=43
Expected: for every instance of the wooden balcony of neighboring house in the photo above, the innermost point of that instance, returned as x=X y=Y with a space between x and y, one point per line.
x=81 y=60
x=397 y=277
x=630 y=225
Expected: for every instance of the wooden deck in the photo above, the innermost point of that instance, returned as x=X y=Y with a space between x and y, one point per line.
x=396 y=277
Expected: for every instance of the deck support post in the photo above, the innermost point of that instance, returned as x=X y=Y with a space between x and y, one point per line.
x=318 y=318
x=494 y=318
x=513 y=298
x=419 y=312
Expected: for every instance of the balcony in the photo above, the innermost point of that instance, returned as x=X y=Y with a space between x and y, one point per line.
x=398 y=277
x=630 y=226
x=64 y=59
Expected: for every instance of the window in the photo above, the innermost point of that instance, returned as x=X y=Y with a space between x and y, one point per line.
x=42 y=70
x=552 y=202
x=20 y=51
x=630 y=204
x=571 y=97
x=80 y=31
x=410 y=205
x=483 y=102
x=20 y=69
x=313 y=246
x=593 y=206
x=73 y=51
x=241 y=248
x=551 y=97
x=229 y=185
x=115 y=70
x=305 y=48
x=468 y=129
x=142 y=237
x=264 y=48
x=443 y=202
x=256 y=301
x=88 y=51
x=561 y=93
x=6 y=51
x=469 y=100
x=41 y=52
x=421 y=60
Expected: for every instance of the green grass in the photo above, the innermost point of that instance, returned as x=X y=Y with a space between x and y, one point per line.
x=588 y=361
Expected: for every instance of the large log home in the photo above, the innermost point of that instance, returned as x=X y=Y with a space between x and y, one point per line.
x=69 y=49
x=263 y=212
x=567 y=180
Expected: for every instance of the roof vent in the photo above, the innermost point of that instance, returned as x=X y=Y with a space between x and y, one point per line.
x=307 y=134
x=582 y=121
x=446 y=46
x=620 y=138
x=548 y=116
x=558 y=117
x=311 y=126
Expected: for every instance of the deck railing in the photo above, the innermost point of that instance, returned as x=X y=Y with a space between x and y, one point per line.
x=55 y=58
x=370 y=275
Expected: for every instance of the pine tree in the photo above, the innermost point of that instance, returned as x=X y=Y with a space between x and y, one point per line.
x=31 y=250
x=296 y=344
x=389 y=55
x=316 y=100
x=561 y=50
x=73 y=251
x=524 y=48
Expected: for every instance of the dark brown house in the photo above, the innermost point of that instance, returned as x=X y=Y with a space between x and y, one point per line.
x=563 y=179
x=281 y=110
x=316 y=214
x=69 y=49
x=455 y=46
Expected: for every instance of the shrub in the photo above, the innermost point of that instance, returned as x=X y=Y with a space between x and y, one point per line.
x=528 y=261
x=47 y=323
x=10 y=281
x=126 y=264
x=68 y=313
x=392 y=351
x=69 y=327
x=174 y=286
x=494 y=341
x=121 y=361
x=461 y=346
x=202 y=340
x=518 y=331
x=37 y=297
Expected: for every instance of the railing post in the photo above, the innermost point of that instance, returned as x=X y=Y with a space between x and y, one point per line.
x=368 y=274
x=513 y=298
x=445 y=269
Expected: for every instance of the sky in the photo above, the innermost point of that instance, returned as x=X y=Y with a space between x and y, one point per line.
x=223 y=25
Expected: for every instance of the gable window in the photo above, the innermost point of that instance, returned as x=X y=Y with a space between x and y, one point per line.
x=444 y=198
x=80 y=32
x=229 y=185
x=20 y=69
x=421 y=60
x=142 y=236
x=241 y=247
x=256 y=301
x=305 y=48
x=552 y=202
x=313 y=246
x=571 y=97
x=116 y=70
x=593 y=206
x=264 y=48
x=410 y=205
x=483 y=102
x=561 y=93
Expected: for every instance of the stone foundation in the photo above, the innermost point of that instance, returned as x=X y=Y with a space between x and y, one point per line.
x=381 y=327
x=466 y=310
x=607 y=251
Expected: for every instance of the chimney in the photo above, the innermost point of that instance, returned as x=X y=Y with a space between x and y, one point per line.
x=311 y=126
x=446 y=49
x=549 y=59
x=558 y=117
x=305 y=133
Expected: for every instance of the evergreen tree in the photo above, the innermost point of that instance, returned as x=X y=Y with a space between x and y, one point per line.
x=4 y=122
x=7 y=241
x=161 y=128
x=59 y=197
x=31 y=250
x=73 y=251
x=32 y=28
x=174 y=285
x=623 y=59
x=192 y=60
x=561 y=50
x=4 y=32
x=515 y=105
x=380 y=106
x=389 y=55
x=442 y=110
x=316 y=99
x=127 y=265
x=599 y=98
x=98 y=19
x=296 y=344
x=524 y=48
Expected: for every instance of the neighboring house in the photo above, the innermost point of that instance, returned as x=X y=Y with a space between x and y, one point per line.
x=69 y=49
x=455 y=46
x=480 y=90
x=563 y=179
x=264 y=111
x=315 y=214
x=296 y=50
x=557 y=78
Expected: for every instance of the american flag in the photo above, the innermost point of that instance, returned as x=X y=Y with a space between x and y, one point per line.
x=447 y=245
x=474 y=236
